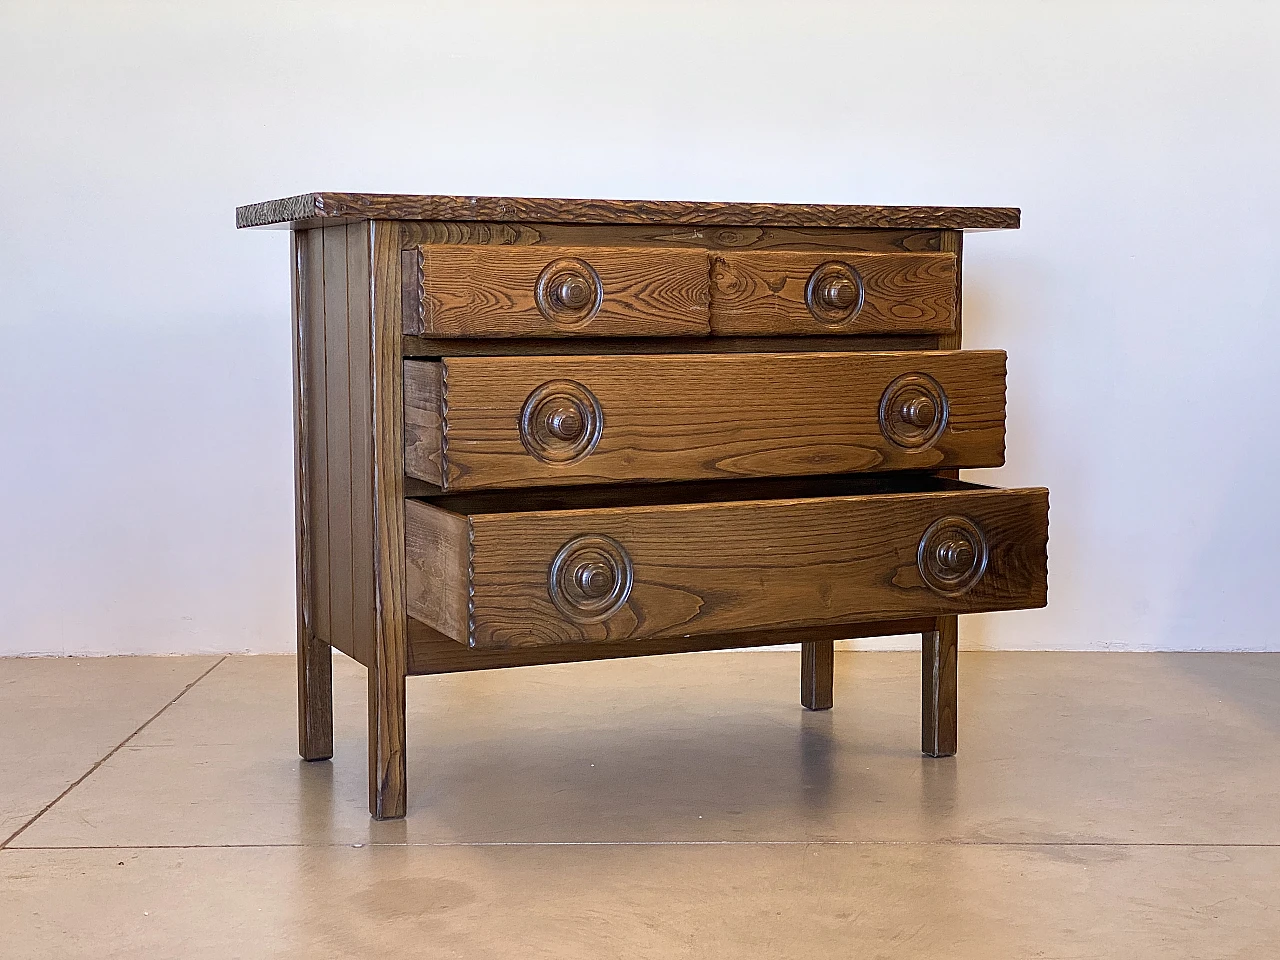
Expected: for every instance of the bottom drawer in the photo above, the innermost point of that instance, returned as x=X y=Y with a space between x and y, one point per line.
x=572 y=568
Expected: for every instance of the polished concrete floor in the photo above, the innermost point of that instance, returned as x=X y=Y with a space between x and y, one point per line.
x=1103 y=805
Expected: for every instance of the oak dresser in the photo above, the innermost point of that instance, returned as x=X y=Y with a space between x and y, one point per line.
x=542 y=431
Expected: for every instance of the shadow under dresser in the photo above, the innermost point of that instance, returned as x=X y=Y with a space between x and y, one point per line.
x=545 y=431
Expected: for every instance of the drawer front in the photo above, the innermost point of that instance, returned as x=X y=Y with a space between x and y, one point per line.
x=628 y=573
x=486 y=422
x=769 y=292
x=514 y=291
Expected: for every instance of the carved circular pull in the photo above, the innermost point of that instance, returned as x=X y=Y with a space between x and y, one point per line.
x=834 y=293
x=913 y=411
x=568 y=292
x=590 y=578
x=952 y=556
x=561 y=422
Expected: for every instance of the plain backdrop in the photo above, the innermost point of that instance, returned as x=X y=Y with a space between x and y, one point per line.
x=145 y=412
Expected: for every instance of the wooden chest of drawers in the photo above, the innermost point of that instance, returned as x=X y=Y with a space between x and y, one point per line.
x=542 y=431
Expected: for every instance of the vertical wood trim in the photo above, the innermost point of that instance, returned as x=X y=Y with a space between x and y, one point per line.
x=316 y=445
x=337 y=374
x=388 y=665
x=938 y=689
x=817 y=674
x=360 y=378
x=315 y=658
x=939 y=648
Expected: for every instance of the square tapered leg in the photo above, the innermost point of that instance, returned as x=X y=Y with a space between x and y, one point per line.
x=817 y=667
x=938 y=689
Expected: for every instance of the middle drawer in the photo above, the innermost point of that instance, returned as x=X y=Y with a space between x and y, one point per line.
x=486 y=422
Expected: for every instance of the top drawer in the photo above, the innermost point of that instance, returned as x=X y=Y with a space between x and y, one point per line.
x=515 y=291
x=466 y=290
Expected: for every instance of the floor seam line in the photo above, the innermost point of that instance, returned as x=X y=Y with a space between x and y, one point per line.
x=110 y=753
x=649 y=843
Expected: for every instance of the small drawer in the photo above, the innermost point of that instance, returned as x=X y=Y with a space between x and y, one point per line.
x=536 y=291
x=770 y=292
x=537 y=577
x=488 y=422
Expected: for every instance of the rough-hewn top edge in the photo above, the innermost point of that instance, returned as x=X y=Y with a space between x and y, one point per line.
x=316 y=208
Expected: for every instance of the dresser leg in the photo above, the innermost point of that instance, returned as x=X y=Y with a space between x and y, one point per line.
x=817 y=668
x=387 y=787
x=938 y=689
x=315 y=697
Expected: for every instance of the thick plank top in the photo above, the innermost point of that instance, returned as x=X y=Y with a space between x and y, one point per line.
x=315 y=209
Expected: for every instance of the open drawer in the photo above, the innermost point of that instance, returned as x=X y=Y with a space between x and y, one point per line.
x=476 y=423
x=688 y=559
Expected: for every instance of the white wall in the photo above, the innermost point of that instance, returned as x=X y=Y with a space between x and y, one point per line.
x=144 y=364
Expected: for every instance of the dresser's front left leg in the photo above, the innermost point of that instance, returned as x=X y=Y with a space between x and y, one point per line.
x=817 y=669
x=387 y=781
x=938 y=689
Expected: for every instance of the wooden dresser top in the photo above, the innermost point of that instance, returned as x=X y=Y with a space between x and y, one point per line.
x=318 y=209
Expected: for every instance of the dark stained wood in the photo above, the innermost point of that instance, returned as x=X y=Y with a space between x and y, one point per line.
x=817 y=674
x=646 y=235
x=938 y=660
x=425 y=448
x=338 y=423
x=724 y=567
x=428 y=347
x=484 y=291
x=764 y=293
x=431 y=652
x=360 y=394
x=315 y=657
x=677 y=417
x=303 y=209
x=315 y=445
x=388 y=664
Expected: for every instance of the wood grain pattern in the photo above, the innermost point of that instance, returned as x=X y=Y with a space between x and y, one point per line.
x=649 y=235
x=315 y=657
x=338 y=442
x=388 y=664
x=308 y=207
x=431 y=652
x=481 y=291
x=724 y=567
x=360 y=400
x=817 y=674
x=763 y=293
x=938 y=661
x=686 y=418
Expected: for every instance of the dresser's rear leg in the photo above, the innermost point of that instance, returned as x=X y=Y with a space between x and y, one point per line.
x=938 y=689
x=315 y=696
x=817 y=666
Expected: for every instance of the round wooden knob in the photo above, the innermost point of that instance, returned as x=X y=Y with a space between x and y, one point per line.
x=594 y=579
x=568 y=292
x=834 y=293
x=913 y=411
x=565 y=421
x=572 y=291
x=918 y=411
x=952 y=556
x=955 y=556
x=590 y=578
x=561 y=422
x=838 y=293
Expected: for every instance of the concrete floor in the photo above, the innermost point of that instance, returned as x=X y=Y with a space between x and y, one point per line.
x=1103 y=805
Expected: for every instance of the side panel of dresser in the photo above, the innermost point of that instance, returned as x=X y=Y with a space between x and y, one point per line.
x=334 y=438
x=350 y=487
